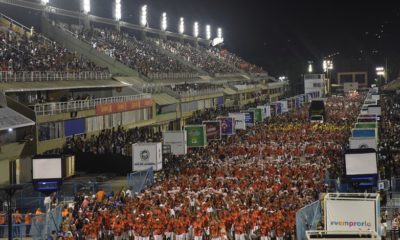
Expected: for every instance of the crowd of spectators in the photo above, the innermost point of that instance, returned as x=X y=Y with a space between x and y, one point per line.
x=26 y=52
x=195 y=88
x=200 y=57
x=141 y=55
x=110 y=141
x=248 y=185
x=236 y=61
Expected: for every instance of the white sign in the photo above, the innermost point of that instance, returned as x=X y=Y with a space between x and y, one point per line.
x=350 y=215
x=46 y=168
x=265 y=111
x=365 y=142
x=374 y=110
x=284 y=105
x=360 y=163
x=240 y=120
x=177 y=141
x=146 y=155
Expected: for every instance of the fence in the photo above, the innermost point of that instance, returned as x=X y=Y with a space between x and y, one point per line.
x=72 y=106
x=307 y=218
x=41 y=226
x=140 y=180
x=9 y=76
x=160 y=76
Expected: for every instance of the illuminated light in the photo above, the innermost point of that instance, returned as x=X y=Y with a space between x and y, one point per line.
x=380 y=69
x=164 y=22
x=86 y=6
x=10 y=130
x=196 y=29
x=208 y=32
x=143 y=16
x=118 y=10
x=310 y=68
x=45 y=2
x=380 y=73
x=181 y=25
x=219 y=32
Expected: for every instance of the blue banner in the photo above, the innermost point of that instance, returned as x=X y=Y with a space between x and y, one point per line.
x=249 y=118
x=74 y=127
x=279 y=108
x=363 y=132
x=227 y=125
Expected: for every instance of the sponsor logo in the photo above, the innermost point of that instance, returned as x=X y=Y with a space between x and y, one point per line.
x=351 y=224
x=144 y=155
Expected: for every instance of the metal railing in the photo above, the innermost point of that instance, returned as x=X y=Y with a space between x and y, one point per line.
x=140 y=180
x=36 y=76
x=160 y=76
x=201 y=92
x=79 y=105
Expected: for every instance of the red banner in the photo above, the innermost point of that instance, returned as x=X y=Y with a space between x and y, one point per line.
x=107 y=108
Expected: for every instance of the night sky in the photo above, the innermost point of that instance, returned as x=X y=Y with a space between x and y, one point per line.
x=282 y=36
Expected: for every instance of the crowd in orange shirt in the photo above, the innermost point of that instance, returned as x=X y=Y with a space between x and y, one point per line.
x=250 y=185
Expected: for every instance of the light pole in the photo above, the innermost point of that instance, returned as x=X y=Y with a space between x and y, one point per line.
x=327 y=65
x=381 y=72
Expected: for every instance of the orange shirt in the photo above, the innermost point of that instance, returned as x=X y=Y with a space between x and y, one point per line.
x=2 y=219
x=28 y=218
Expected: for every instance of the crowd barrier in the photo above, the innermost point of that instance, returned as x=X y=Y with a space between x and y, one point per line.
x=36 y=76
x=41 y=226
x=140 y=180
x=307 y=218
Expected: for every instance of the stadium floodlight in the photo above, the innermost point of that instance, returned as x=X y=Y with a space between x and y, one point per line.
x=208 y=32
x=310 y=67
x=380 y=69
x=164 y=21
x=118 y=14
x=219 y=32
x=45 y=2
x=196 y=29
x=143 y=16
x=86 y=6
x=181 y=25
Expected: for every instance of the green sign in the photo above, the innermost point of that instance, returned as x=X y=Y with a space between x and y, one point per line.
x=258 y=117
x=365 y=125
x=196 y=135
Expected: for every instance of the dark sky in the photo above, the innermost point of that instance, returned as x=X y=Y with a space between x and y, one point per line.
x=283 y=35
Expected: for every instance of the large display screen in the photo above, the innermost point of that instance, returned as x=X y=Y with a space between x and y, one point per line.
x=361 y=163
x=46 y=168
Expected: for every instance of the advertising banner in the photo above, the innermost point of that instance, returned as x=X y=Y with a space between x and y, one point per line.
x=350 y=215
x=284 y=106
x=146 y=155
x=257 y=114
x=297 y=103
x=177 y=142
x=213 y=130
x=107 y=108
x=366 y=142
x=366 y=125
x=249 y=118
x=240 y=123
x=265 y=111
x=227 y=125
x=196 y=135
x=363 y=132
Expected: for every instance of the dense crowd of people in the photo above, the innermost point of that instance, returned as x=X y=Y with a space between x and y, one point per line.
x=141 y=55
x=110 y=141
x=26 y=52
x=248 y=185
x=199 y=56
